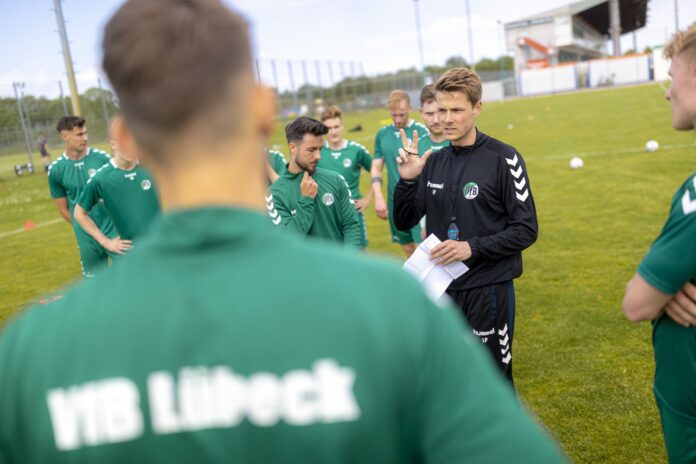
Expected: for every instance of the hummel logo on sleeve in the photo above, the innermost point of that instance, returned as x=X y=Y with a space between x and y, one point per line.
x=689 y=205
x=520 y=183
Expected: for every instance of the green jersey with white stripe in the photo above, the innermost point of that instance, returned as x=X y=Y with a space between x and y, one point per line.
x=330 y=215
x=277 y=161
x=347 y=162
x=129 y=196
x=387 y=144
x=668 y=266
x=223 y=339
x=67 y=178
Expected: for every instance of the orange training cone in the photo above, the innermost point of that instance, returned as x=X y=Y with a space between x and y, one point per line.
x=29 y=225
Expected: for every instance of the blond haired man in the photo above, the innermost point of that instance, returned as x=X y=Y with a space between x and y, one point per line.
x=346 y=158
x=387 y=143
x=476 y=196
x=663 y=289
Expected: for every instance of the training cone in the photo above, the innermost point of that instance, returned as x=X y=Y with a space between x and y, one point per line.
x=29 y=225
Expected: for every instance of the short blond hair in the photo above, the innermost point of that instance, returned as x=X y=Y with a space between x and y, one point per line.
x=396 y=96
x=331 y=112
x=682 y=42
x=461 y=80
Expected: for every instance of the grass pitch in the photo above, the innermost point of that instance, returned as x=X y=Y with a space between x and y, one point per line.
x=579 y=365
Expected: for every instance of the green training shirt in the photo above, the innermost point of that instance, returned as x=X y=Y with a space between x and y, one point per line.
x=347 y=162
x=426 y=143
x=387 y=144
x=129 y=196
x=67 y=178
x=277 y=161
x=330 y=215
x=182 y=354
x=668 y=266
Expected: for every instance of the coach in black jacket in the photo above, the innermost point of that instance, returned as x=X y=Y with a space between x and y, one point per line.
x=476 y=197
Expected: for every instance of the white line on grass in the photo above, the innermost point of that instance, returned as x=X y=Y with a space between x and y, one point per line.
x=43 y=224
x=622 y=151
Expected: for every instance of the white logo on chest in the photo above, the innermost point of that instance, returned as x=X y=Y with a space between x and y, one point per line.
x=328 y=199
x=130 y=175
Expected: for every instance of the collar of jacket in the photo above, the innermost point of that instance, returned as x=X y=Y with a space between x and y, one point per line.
x=466 y=149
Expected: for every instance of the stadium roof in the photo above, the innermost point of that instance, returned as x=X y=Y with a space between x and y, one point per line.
x=596 y=13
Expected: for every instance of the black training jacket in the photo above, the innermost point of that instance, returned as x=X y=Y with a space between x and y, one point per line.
x=484 y=190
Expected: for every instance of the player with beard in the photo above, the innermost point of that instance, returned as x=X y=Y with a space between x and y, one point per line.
x=310 y=200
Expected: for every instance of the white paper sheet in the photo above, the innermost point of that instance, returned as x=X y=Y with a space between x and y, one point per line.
x=435 y=278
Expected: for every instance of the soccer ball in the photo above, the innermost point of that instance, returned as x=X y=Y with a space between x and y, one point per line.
x=510 y=126
x=651 y=146
x=576 y=162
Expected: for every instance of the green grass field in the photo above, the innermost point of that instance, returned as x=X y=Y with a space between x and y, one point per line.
x=579 y=365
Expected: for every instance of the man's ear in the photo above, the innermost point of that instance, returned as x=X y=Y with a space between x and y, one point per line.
x=264 y=109
x=292 y=146
x=478 y=107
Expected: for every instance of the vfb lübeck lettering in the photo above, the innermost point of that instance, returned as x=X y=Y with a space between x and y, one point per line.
x=109 y=410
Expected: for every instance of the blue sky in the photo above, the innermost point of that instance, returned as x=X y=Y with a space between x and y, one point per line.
x=380 y=34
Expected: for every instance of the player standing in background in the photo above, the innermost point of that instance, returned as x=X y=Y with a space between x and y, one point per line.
x=221 y=338
x=346 y=157
x=387 y=144
x=311 y=200
x=67 y=177
x=127 y=191
x=435 y=139
x=41 y=144
x=276 y=164
x=664 y=288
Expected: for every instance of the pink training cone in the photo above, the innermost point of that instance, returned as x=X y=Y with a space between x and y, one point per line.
x=29 y=225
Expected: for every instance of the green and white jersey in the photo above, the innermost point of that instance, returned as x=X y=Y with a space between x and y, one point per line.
x=426 y=143
x=387 y=144
x=183 y=353
x=67 y=178
x=277 y=161
x=668 y=266
x=130 y=197
x=330 y=215
x=347 y=162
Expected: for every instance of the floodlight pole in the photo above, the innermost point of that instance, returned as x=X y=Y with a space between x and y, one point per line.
x=471 y=36
x=27 y=144
x=420 y=36
x=615 y=26
x=74 y=95
x=676 y=15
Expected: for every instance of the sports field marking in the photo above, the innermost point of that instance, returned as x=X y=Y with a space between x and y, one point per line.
x=43 y=224
x=622 y=151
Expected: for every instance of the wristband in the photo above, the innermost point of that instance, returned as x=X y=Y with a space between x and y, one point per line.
x=376 y=179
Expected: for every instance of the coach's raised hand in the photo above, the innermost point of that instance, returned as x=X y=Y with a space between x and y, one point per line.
x=409 y=163
x=308 y=188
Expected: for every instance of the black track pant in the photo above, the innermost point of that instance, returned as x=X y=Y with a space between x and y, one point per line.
x=490 y=311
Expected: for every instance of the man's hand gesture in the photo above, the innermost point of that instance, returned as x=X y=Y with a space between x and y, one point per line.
x=308 y=188
x=408 y=162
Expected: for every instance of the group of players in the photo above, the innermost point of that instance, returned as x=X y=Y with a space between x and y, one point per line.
x=226 y=335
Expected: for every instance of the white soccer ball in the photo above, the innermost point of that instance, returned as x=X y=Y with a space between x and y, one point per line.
x=510 y=126
x=576 y=162
x=652 y=146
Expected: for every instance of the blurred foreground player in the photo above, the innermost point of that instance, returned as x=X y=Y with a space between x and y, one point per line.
x=182 y=354
x=664 y=288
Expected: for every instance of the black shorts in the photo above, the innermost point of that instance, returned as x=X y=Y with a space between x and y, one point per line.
x=490 y=311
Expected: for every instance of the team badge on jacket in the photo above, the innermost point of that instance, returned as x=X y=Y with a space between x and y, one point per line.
x=328 y=199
